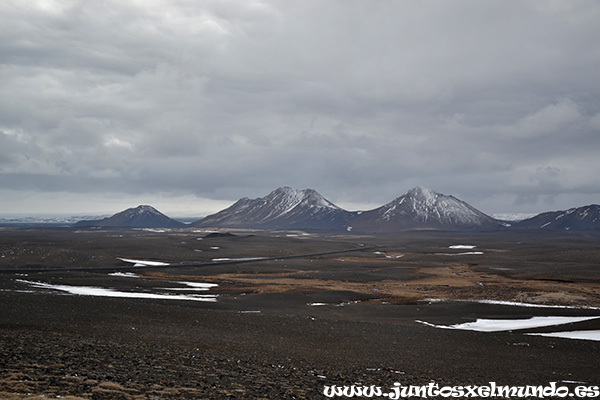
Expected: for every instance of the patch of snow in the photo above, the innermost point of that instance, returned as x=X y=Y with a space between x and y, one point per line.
x=125 y=274
x=215 y=247
x=512 y=303
x=103 y=292
x=462 y=246
x=500 y=325
x=582 y=335
x=199 y=284
x=546 y=224
x=239 y=259
x=317 y=304
x=142 y=263
x=460 y=254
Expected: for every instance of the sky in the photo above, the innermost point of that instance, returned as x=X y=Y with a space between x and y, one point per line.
x=189 y=105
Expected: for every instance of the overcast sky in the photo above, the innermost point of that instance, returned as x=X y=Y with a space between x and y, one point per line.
x=189 y=105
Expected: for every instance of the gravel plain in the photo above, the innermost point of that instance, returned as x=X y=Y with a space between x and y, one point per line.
x=285 y=328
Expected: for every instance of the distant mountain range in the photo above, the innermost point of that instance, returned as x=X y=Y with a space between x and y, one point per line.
x=419 y=208
x=580 y=218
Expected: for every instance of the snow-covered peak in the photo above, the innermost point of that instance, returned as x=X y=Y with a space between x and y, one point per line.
x=141 y=210
x=423 y=195
x=427 y=206
x=283 y=200
x=286 y=199
x=145 y=209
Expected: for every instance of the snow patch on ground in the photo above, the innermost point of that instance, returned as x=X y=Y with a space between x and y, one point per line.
x=125 y=274
x=582 y=335
x=104 y=292
x=239 y=259
x=201 y=285
x=512 y=303
x=500 y=325
x=466 y=253
x=462 y=246
x=143 y=263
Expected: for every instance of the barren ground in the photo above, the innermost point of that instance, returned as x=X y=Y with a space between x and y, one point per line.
x=284 y=328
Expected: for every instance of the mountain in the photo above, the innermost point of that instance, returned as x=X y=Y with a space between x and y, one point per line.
x=138 y=217
x=283 y=208
x=580 y=218
x=422 y=208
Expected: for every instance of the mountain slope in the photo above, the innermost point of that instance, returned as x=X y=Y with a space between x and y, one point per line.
x=579 y=218
x=139 y=217
x=283 y=208
x=422 y=208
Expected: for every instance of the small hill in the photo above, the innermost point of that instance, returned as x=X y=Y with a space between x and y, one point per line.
x=139 y=217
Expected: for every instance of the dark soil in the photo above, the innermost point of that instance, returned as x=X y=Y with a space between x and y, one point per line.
x=262 y=339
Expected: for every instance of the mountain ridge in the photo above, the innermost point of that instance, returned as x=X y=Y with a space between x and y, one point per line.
x=283 y=208
x=287 y=208
x=577 y=218
x=423 y=208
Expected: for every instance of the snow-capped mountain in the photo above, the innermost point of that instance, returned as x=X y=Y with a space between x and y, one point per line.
x=422 y=208
x=579 y=218
x=139 y=217
x=283 y=208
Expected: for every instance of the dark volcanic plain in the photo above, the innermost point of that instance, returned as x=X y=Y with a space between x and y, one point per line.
x=285 y=327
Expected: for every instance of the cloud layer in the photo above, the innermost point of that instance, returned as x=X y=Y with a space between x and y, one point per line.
x=496 y=104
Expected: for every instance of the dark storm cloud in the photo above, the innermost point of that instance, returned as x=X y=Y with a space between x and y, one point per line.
x=496 y=103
